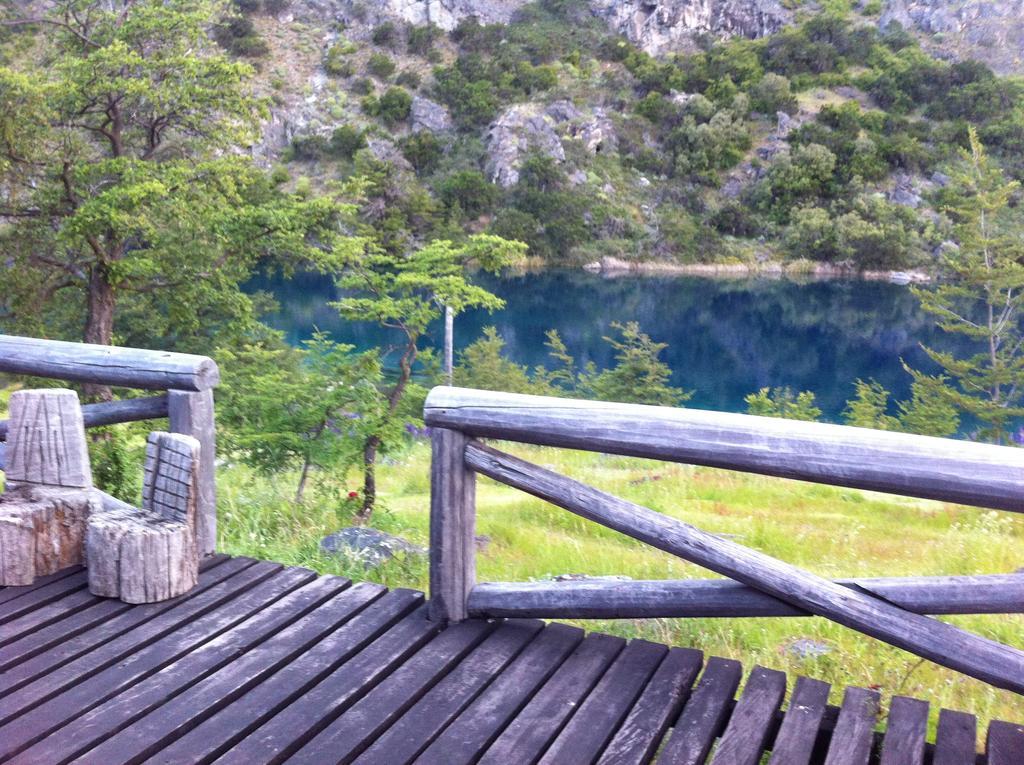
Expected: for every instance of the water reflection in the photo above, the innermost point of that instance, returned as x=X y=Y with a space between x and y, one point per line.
x=726 y=337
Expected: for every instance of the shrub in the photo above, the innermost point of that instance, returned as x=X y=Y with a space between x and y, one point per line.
x=394 y=105
x=470 y=190
x=380 y=66
x=422 y=149
x=238 y=36
x=309 y=147
x=386 y=35
x=408 y=79
x=363 y=86
x=420 y=40
x=346 y=141
x=772 y=94
x=336 y=59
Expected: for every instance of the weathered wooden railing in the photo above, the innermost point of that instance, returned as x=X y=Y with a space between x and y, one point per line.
x=891 y=609
x=187 y=403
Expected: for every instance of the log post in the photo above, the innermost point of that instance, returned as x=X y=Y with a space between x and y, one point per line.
x=192 y=414
x=452 y=524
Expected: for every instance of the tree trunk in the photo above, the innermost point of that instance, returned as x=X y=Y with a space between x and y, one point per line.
x=369 y=479
x=99 y=321
x=299 y=492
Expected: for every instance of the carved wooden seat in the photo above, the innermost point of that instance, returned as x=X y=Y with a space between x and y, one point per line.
x=48 y=495
x=142 y=556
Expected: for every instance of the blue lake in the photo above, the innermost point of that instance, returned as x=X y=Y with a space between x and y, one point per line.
x=726 y=337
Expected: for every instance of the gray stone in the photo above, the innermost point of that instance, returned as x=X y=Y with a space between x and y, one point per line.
x=519 y=130
x=940 y=179
x=371 y=547
x=904 y=192
x=806 y=648
x=659 y=26
x=428 y=115
x=448 y=13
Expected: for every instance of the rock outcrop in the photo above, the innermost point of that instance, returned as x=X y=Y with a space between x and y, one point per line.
x=519 y=130
x=660 y=26
x=988 y=30
x=448 y=13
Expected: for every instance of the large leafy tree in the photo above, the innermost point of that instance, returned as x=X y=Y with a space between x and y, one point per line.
x=407 y=293
x=983 y=297
x=123 y=187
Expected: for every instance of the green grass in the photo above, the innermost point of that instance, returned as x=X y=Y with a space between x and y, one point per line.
x=830 y=531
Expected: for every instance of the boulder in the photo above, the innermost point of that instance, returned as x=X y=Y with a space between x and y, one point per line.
x=429 y=115
x=519 y=130
x=371 y=547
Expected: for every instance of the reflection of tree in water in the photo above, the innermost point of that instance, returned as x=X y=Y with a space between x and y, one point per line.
x=727 y=338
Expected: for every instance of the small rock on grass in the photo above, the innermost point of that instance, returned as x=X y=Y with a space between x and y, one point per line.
x=372 y=547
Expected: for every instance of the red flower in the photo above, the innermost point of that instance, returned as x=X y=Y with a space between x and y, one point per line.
x=353 y=494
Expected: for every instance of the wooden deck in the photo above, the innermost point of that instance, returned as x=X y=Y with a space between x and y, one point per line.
x=263 y=663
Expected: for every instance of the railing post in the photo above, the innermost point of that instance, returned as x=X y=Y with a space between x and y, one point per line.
x=452 y=523
x=192 y=414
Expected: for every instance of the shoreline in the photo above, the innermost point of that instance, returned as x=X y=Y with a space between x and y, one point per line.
x=613 y=267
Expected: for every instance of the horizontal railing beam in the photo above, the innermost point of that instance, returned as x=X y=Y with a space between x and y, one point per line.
x=711 y=598
x=107 y=365
x=899 y=463
x=982 y=658
x=114 y=412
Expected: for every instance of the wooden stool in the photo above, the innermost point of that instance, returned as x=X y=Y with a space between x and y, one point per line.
x=147 y=555
x=48 y=495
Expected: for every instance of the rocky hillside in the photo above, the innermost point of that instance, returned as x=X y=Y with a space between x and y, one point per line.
x=674 y=130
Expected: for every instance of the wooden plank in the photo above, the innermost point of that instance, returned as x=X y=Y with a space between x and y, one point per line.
x=220 y=731
x=749 y=727
x=357 y=728
x=11 y=593
x=905 y=733
x=289 y=729
x=41 y=596
x=484 y=720
x=598 y=718
x=995 y=663
x=101 y=637
x=917 y=466
x=193 y=415
x=1004 y=744
x=54 y=611
x=704 y=715
x=81 y=694
x=73 y=624
x=418 y=727
x=656 y=709
x=794 y=743
x=955 y=739
x=709 y=598
x=114 y=412
x=90 y=727
x=106 y=365
x=452 y=524
x=150 y=726
x=539 y=722
x=854 y=731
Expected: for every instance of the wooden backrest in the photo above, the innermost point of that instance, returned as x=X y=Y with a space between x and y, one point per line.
x=46 y=440
x=169 y=487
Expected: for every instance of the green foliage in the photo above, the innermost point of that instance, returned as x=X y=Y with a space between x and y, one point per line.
x=238 y=35
x=422 y=149
x=346 y=141
x=470 y=190
x=782 y=402
x=420 y=39
x=126 y=191
x=638 y=375
x=115 y=454
x=406 y=293
x=337 y=59
x=393 y=106
x=310 y=408
x=380 y=65
x=869 y=407
x=982 y=297
x=386 y=35
x=483 y=365
x=927 y=413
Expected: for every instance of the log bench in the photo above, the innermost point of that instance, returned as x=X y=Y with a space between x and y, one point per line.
x=51 y=517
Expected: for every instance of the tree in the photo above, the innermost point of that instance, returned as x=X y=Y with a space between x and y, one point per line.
x=927 y=413
x=782 y=402
x=483 y=365
x=124 y=190
x=406 y=293
x=297 y=408
x=982 y=297
x=638 y=376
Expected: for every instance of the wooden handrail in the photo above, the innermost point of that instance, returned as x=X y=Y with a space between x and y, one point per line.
x=107 y=365
x=963 y=472
x=114 y=412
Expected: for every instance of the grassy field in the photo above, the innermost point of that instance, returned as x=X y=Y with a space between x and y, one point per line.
x=833 y=532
